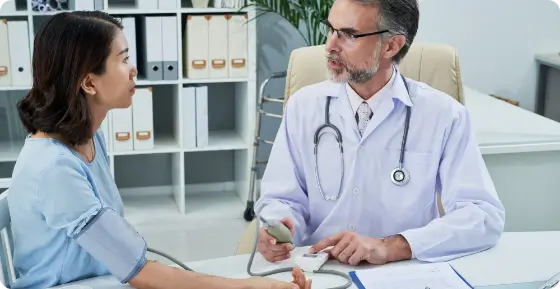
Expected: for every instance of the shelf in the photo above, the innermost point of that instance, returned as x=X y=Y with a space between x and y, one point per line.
x=215 y=80
x=162 y=144
x=12 y=88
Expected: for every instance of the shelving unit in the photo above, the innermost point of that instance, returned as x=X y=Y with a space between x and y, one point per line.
x=169 y=178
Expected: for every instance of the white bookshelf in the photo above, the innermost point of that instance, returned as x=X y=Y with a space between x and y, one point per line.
x=231 y=107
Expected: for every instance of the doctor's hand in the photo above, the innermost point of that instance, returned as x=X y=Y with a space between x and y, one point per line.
x=268 y=247
x=351 y=248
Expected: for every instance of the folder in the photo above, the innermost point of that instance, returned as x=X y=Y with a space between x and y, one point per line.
x=5 y=68
x=150 y=62
x=197 y=46
x=129 y=30
x=76 y=5
x=20 y=55
x=167 y=4
x=8 y=7
x=218 y=34
x=170 y=44
x=121 y=129
x=147 y=4
x=98 y=5
x=188 y=110
x=201 y=116
x=237 y=46
x=143 y=119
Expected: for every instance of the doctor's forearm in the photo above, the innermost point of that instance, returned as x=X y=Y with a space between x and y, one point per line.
x=159 y=276
x=398 y=248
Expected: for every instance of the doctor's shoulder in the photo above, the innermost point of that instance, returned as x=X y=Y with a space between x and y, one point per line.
x=437 y=102
x=310 y=96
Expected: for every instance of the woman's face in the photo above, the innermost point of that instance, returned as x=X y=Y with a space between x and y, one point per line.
x=115 y=88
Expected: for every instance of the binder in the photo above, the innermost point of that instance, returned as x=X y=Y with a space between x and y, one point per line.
x=98 y=4
x=150 y=62
x=218 y=52
x=169 y=41
x=5 y=68
x=237 y=46
x=20 y=55
x=76 y=5
x=188 y=111
x=129 y=30
x=121 y=129
x=197 y=46
x=143 y=119
x=167 y=4
x=8 y=7
x=147 y=4
x=201 y=116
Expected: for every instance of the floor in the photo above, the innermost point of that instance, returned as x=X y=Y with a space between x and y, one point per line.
x=211 y=228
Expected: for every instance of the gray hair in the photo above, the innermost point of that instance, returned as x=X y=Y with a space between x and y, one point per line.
x=400 y=17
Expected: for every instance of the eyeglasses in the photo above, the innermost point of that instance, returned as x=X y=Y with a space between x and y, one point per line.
x=343 y=34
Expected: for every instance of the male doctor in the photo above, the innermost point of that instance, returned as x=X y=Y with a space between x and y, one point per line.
x=355 y=203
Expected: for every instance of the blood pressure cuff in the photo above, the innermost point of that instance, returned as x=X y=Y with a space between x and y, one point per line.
x=111 y=240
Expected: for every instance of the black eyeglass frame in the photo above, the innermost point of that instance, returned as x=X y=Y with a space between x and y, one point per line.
x=352 y=35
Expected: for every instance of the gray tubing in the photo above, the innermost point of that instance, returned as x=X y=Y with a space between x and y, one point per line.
x=170 y=258
x=283 y=270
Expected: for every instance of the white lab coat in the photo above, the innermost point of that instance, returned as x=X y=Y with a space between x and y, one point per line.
x=441 y=155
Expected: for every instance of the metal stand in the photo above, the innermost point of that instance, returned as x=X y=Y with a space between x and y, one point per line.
x=249 y=213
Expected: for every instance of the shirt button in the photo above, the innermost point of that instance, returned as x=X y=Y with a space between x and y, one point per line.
x=352 y=228
x=356 y=191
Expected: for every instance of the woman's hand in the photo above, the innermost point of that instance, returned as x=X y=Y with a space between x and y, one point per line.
x=299 y=282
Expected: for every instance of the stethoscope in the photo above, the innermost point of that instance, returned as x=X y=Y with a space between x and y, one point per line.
x=399 y=176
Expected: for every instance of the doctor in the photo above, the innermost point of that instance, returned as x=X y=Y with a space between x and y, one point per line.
x=363 y=177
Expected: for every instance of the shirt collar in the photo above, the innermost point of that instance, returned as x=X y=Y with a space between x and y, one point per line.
x=395 y=88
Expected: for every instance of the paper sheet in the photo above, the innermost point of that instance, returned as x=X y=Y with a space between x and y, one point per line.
x=418 y=276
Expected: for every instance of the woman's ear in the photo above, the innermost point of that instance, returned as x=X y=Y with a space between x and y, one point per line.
x=87 y=85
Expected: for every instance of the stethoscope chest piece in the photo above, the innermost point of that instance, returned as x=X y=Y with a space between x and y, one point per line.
x=400 y=176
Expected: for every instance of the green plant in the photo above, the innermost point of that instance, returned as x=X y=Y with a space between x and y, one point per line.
x=309 y=12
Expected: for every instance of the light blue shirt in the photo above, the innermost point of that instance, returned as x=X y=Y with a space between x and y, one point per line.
x=441 y=155
x=53 y=193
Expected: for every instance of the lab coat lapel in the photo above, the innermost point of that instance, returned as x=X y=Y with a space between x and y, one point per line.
x=342 y=110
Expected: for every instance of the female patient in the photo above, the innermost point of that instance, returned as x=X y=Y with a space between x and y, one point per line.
x=66 y=210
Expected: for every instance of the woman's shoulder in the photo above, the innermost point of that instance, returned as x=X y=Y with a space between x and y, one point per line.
x=43 y=154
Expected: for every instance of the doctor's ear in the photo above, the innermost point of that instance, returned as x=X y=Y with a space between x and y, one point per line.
x=393 y=45
x=87 y=85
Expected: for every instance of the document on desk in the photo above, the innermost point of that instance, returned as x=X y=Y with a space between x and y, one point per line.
x=417 y=276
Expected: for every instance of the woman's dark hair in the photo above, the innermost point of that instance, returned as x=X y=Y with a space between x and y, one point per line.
x=66 y=48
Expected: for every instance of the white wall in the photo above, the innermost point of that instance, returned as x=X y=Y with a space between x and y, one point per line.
x=496 y=39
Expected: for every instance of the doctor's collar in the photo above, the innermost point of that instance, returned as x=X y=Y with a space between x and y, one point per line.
x=399 y=88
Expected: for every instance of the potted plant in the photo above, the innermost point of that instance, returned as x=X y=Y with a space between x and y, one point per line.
x=306 y=13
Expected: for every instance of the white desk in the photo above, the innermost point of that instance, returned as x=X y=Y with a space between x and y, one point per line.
x=519 y=261
x=522 y=152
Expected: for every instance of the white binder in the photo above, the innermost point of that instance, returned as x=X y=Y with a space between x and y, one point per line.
x=197 y=46
x=143 y=119
x=189 y=117
x=170 y=46
x=201 y=116
x=150 y=62
x=237 y=46
x=8 y=7
x=167 y=4
x=76 y=5
x=147 y=4
x=5 y=68
x=20 y=55
x=130 y=32
x=121 y=130
x=218 y=34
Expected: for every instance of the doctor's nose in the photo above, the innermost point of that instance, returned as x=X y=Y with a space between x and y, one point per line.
x=332 y=43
